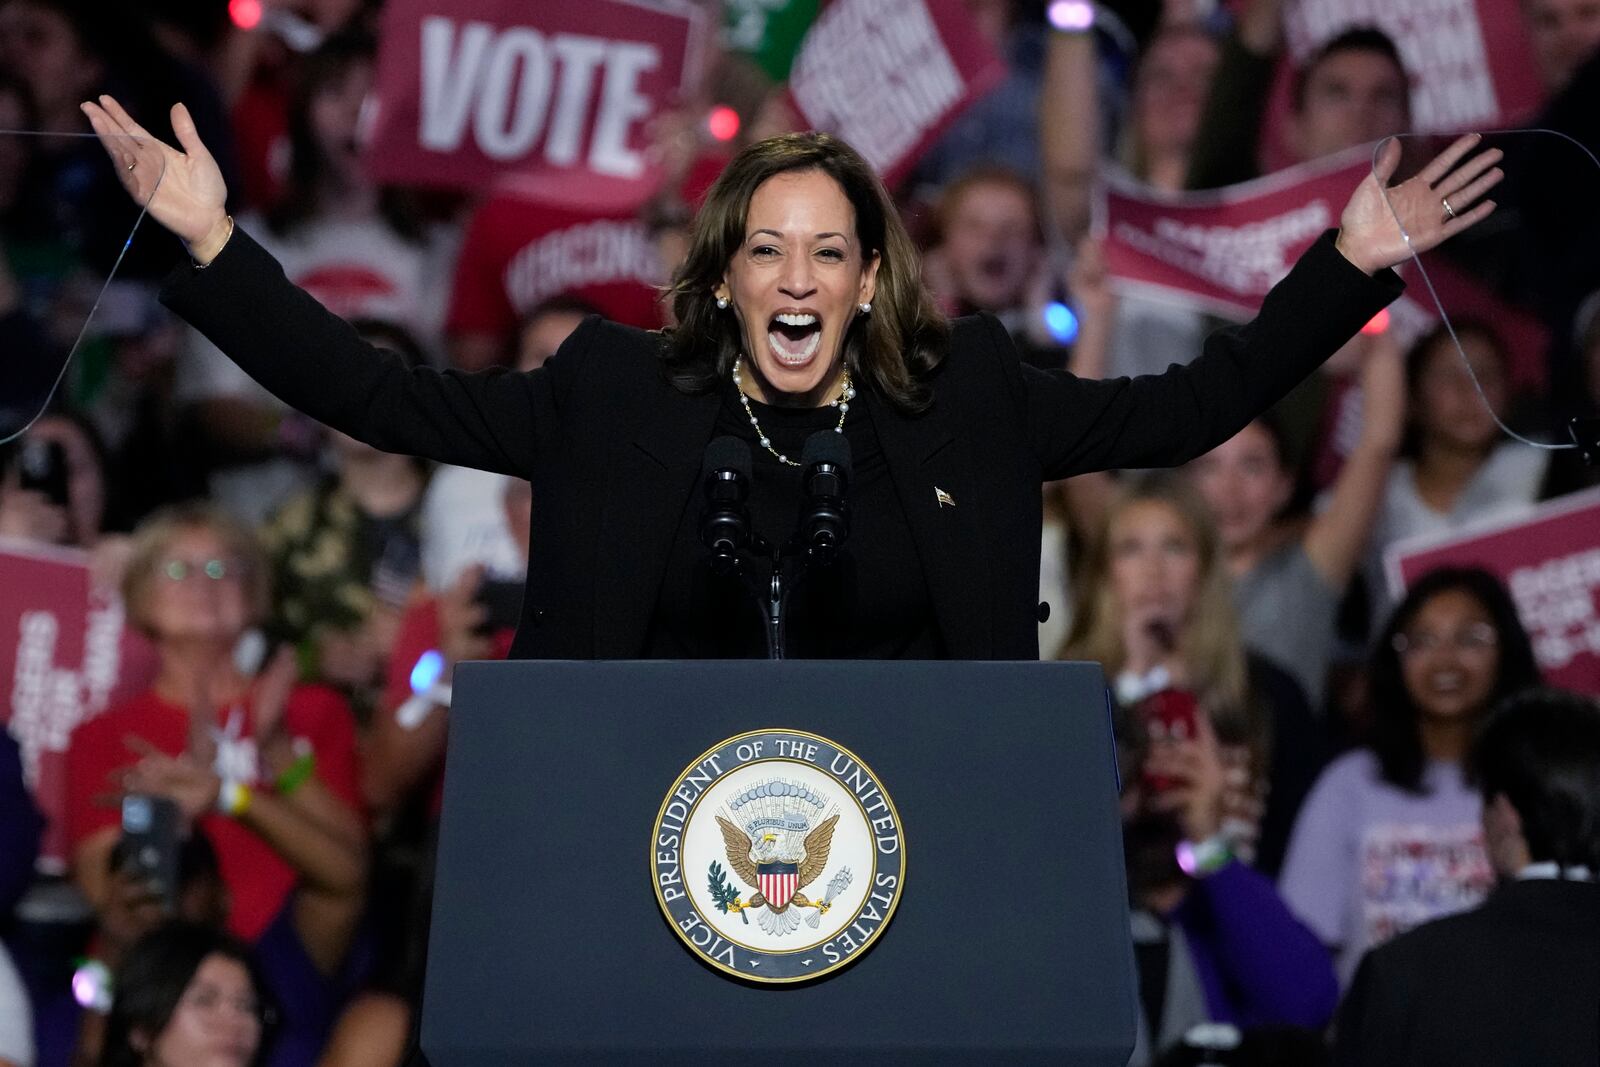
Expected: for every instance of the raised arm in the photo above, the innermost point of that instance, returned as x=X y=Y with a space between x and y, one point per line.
x=1229 y=139
x=239 y=298
x=1069 y=130
x=1337 y=537
x=1337 y=286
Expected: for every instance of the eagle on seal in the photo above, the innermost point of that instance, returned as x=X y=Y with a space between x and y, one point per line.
x=777 y=877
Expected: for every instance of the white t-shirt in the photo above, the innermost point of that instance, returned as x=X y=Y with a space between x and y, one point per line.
x=357 y=268
x=464 y=522
x=1506 y=484
x=1369 y=860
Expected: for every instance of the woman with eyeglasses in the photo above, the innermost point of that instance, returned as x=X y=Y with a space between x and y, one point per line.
x=186 y=995
x=266 y=768
x=1390 y=836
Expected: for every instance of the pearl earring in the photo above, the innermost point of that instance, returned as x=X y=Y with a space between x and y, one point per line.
x=722 y=303
x=866 y=309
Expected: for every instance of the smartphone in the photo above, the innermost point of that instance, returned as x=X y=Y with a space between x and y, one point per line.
x=502 y=602
x=150 y=842
x=1170 y=715
x=42 y=467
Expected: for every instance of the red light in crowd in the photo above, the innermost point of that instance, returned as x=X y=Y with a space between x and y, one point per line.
x=1379 y=323
x=723 y=122
x=246 y=14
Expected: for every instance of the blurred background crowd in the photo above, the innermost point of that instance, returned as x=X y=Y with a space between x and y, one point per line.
x=1303 y=783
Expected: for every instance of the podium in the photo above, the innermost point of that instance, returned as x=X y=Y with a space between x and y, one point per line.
x=551 y=940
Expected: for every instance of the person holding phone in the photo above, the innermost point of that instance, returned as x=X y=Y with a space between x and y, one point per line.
x=1213 y=940
x=267 y=768
x=52 y=484
x=1153 y=605
x=800 y=294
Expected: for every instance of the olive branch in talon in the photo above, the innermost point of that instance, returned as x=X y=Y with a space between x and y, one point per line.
x=725 y=896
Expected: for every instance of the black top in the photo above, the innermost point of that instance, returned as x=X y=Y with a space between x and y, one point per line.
x=871 y=603
x=1515 y=981
x=613 y=450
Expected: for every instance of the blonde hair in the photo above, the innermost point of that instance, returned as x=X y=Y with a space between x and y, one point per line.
x=153 y=539
x=1209 y=640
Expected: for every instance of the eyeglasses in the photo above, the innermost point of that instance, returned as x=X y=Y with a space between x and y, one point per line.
x=1478 y=637
x=180 y=570
x=208 y=1000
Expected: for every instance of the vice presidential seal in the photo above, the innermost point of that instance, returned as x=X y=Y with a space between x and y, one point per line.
x=778 y=856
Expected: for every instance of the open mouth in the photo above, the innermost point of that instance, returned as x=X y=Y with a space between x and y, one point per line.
x=794 y=337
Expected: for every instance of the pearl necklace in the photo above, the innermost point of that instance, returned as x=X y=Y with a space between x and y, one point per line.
x=847 y=394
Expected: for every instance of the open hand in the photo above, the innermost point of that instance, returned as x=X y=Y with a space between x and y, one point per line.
x=1370 y=235
x=184 y=190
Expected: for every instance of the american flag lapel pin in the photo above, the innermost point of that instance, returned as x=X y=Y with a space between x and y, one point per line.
x=945 y=499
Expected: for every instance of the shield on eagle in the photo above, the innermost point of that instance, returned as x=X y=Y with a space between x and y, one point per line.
x=778 y=882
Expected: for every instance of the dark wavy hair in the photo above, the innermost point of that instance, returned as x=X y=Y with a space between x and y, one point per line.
x=308 y=163
x=152 y=979
x=1541 y=751
x=1420 y=354
x=892 y=351
x=1396 y=737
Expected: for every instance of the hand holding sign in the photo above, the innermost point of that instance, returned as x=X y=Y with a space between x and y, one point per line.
x=1383 y=225
x=184 y=190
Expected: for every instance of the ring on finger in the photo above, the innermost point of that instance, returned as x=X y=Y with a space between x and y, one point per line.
x=1449 y=212
x=135 y=163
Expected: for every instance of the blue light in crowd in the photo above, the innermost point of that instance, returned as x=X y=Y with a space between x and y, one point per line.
x=427 y=670
x=1061 y=322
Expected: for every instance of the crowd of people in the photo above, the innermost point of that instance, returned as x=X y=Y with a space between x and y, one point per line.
x=1314 y=764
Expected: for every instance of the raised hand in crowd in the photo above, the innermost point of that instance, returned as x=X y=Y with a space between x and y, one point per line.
x=1197 y=780
x=1336 y=539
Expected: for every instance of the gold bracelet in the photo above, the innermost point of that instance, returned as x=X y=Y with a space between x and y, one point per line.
x=202 y=266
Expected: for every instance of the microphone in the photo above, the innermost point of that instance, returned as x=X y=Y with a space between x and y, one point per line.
x=824 y=516
x=725 y=522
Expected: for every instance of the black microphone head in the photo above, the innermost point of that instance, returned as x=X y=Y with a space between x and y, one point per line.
x=727 y=453
x=826 y=446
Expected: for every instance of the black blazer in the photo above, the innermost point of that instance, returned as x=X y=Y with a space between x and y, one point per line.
x=613 y=451
x=1516 y=981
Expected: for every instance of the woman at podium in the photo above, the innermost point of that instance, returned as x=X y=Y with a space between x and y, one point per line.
x=800 y=311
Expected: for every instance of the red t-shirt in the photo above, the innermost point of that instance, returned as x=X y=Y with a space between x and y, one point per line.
x=519 y=253
x=419 y=632
x=257 y=879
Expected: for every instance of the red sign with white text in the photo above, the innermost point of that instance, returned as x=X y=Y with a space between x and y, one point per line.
x=559 y=95
x=65 y=656
x=889 y=76
x=1221 y=250
x=1550 y=560
x=1469 y=62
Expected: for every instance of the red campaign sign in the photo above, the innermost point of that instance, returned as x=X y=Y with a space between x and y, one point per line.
x=1469 y=61
x=890 y=76
x=560 y=96
x=1221 y=250
x=65 y=656
x=1549 y=558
